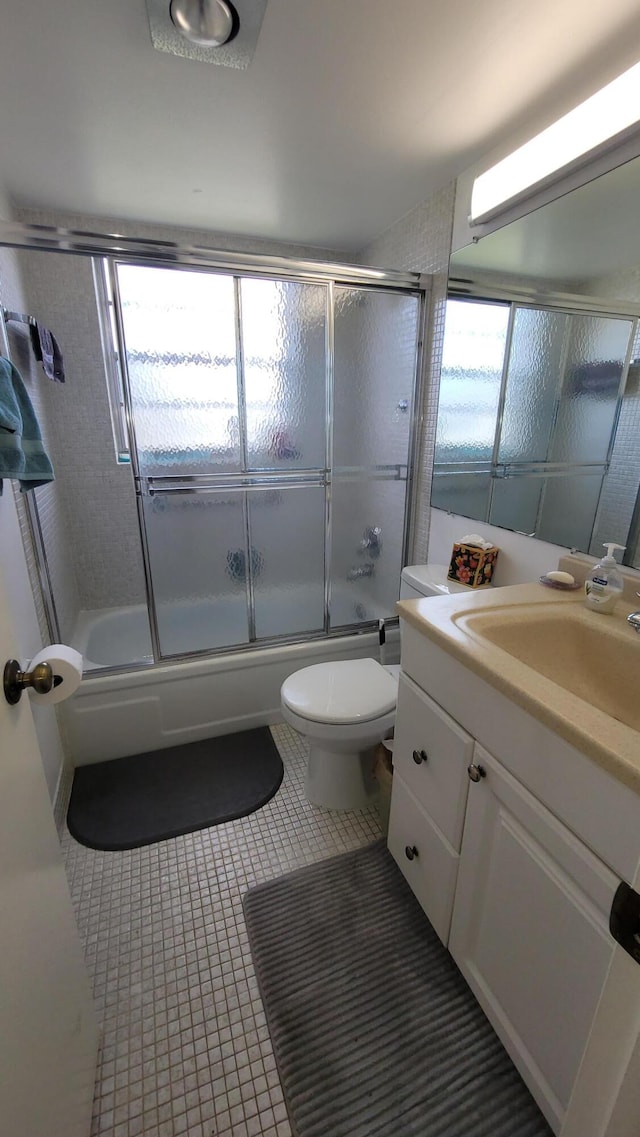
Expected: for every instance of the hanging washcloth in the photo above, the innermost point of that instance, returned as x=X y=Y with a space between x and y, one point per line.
x=47 y=352
x=22 y=454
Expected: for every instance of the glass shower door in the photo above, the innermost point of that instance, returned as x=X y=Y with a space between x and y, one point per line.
x=227 y=383
x=375 y=349
x=283 y=329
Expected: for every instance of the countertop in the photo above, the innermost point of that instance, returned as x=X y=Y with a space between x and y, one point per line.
x=613 y=744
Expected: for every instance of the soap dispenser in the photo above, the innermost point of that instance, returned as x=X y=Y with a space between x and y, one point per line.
x=604 y=584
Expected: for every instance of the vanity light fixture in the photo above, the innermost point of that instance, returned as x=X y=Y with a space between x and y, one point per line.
x=593 y=128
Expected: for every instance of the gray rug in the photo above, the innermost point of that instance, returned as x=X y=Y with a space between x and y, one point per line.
x=151 y=797
x=375 y=1032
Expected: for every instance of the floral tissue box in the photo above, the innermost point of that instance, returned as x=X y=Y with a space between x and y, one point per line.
x=472 y=565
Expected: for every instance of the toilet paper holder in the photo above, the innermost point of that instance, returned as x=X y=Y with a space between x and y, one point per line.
x=15 y=680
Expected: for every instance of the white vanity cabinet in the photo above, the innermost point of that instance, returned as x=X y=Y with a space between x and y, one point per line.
x=517 y=869
x=530 y=930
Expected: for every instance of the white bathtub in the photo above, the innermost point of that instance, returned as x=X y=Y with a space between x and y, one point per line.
x=151 y=708
x=113 y=637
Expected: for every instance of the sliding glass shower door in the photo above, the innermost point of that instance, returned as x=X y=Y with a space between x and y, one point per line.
x=270 y=427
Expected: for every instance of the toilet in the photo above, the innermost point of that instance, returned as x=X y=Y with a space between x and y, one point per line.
x=345 y=707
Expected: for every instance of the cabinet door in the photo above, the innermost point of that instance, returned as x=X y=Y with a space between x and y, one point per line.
x=424 y=858
x=530 y=931
x=431 y=753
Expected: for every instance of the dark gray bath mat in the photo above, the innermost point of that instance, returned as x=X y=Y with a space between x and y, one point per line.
x=375 y=1032
x=149 y=797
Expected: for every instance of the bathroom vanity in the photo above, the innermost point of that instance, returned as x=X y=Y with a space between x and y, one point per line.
x=515 y=816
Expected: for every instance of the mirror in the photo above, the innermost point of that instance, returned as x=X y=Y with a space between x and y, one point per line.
x=539 y=413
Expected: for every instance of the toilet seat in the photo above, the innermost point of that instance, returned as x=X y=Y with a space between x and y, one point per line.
x=341 y=692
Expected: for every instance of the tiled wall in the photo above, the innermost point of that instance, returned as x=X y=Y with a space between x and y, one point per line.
x=98 y=493
x=421 y=242
x=54 y=521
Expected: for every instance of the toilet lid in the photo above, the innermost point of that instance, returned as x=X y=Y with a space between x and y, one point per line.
x=340 y=692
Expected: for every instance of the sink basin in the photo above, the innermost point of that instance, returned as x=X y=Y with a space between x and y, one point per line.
x=594 y=657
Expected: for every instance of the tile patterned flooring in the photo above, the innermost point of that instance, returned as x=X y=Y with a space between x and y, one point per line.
x=185 y=1047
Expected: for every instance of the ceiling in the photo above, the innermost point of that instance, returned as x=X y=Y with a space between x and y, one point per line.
x=350 y=114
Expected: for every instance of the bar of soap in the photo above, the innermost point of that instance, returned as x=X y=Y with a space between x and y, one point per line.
x=561 y=577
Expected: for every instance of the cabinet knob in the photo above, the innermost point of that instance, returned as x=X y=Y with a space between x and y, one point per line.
x=420 y=756
x=410 y=852
x=476 y=772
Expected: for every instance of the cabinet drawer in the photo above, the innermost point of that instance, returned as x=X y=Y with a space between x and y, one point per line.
x=431 y=753
x=431 y=872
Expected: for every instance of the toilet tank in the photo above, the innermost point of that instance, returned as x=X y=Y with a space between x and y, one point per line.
x=427 y=580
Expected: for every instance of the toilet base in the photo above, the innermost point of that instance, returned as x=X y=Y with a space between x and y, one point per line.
x=340 y=780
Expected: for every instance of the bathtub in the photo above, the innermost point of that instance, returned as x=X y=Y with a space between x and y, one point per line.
x=153 y=707
x=116 y=637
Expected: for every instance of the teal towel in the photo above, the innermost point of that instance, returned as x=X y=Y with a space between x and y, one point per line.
x=22 y=454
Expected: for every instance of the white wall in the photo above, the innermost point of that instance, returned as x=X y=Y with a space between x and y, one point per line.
x=522 y=559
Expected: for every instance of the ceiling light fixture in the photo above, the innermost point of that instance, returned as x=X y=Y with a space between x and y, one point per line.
x=593 y=128
x=208 y=23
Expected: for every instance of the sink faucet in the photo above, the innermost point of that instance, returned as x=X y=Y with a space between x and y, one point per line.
x=634 y=618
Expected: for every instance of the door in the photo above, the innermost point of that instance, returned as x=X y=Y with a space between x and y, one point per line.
x=48 y=1034
x=530 y=931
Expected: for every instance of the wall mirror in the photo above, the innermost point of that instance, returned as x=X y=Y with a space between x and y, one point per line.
x=539 y=412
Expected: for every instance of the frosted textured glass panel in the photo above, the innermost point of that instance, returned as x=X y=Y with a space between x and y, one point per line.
x=365 y=581
x=568 y=510
x=515 y=503
x=467 y=494
x=472 y=361
x=375 y=355
x=287 y=538
x=596 y=350
x=533 y=382
x=198 y=558
x=283 y=339
x=180 y=337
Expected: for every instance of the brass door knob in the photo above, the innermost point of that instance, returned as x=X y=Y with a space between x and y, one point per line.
x=15 y=681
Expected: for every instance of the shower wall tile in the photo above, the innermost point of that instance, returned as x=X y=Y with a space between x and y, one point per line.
x=97 y=493
x=421 y=242
x=103 y=536
x=171 y=233
x=51 y=507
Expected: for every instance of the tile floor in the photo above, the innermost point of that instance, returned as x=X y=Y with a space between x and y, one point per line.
x=185 y=1047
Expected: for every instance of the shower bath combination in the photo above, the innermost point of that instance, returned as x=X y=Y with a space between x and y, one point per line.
x=246 y=504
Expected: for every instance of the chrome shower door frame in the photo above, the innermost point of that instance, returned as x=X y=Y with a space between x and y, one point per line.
x=115 y=248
